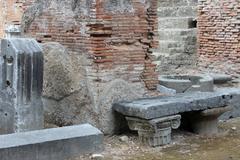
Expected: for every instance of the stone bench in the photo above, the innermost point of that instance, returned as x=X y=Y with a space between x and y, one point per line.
x=154 y=118
x=51 y=144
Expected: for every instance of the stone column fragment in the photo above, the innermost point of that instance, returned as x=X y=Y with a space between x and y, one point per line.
x=21 y=82
x=155 y=132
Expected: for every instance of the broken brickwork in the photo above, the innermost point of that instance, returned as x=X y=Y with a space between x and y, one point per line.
x=113 y=40
x=117 y=36
x=219 y=36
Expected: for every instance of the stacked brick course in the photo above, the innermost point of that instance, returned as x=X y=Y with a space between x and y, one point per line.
x=11 y=13
x=117 y=39
x=219 y=36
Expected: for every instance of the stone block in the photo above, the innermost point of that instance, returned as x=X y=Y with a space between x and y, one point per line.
x=150 y=108
x=51 y=144
x=187 y=83
x=165 y=90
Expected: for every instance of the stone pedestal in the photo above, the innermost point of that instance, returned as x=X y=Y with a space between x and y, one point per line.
x=155 y=132
x=206 y=122
x=21 y=78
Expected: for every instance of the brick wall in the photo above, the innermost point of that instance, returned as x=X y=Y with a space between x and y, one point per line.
x=116 y=36
x=219 y=36
x=11 y=13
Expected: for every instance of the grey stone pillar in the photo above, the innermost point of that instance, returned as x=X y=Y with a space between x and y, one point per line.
x=21 y=82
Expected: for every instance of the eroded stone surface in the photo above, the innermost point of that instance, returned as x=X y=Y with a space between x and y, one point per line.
x=21 y=79
x=155 y=132
x=171 y=105
x=55 y=144
x=70 y=99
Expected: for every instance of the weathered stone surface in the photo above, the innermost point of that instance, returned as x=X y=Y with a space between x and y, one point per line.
x=177 y=29
x=66 y=95
x=21 y=79
x=55 y=144
x=115 y=91
x=187 y=83
x=206 y=122
x=70 y=99
x=220 y=78
x=155 y=132
x=171 y=105
x=60 y=79
x=235 y=103
x=167 y=91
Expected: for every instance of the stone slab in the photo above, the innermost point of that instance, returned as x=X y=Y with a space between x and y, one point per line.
x=157 y=107
x=51 y=144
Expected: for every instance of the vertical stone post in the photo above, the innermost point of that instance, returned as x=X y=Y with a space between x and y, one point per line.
x=21 y=78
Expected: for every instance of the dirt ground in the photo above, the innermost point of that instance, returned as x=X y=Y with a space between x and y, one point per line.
x=185 y=146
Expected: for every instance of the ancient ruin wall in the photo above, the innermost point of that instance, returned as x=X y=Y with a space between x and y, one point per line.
x=219 y=36
x=117 y=35
x=109 y=44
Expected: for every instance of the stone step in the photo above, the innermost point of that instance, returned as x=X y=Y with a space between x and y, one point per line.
x=160 y=56
x=173 y=46
x=176 y=34
x=174 y=42
x=186 y=11
x=176 y=3
x=163 y=55
x=177 y=22
x=187 y=49
x=165 y=46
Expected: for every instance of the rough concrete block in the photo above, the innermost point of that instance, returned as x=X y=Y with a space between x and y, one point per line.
x=21 y=80
x=51 y=144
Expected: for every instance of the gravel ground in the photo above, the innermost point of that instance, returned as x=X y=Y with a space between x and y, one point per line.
x=185 y=146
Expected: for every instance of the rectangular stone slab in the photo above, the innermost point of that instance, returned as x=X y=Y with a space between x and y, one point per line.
x=51 y=144
x=157 y=107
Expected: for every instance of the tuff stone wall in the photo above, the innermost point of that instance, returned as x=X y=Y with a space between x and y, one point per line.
x=219 y=36
x=106 y=43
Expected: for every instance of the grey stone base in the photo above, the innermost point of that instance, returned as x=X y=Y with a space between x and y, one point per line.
x=206 y=122
x=51 y=144
x=154 y=132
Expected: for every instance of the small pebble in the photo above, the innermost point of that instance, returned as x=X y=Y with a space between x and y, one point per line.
x=234 y=128
x=124 y=139
x=97 y=157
